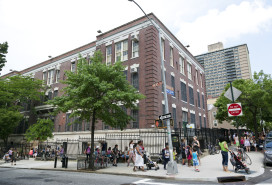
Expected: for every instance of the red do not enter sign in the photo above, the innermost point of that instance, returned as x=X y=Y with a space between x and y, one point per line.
x=235 y=109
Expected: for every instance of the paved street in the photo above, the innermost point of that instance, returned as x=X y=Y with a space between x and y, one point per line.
x=12 y=176
x=41 y=172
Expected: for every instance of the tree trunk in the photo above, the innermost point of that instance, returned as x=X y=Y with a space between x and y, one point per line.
x=255 y=125
x=91 y=162
x=5 y=142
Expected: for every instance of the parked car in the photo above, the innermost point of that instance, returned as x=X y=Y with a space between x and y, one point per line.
x=269 y=135
x=267 y=148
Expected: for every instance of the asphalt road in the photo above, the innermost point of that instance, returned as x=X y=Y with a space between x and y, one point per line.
x=13 y=176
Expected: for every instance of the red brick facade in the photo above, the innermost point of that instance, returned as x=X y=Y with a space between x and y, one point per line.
x=149 y=72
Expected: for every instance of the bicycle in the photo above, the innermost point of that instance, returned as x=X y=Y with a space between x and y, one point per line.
x=243 y=155
x=213 y=149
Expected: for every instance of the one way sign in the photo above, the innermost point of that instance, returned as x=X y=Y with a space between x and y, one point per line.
x=165 y=116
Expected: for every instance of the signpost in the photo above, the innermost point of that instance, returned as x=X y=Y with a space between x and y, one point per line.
x=165 y=116
x=157 y=84
x=236 y=93
x=235 y=109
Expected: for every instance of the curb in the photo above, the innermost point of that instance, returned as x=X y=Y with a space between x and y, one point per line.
x=208 y=179
x=123 y=174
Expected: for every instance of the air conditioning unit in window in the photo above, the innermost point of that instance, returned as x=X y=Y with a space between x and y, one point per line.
x=135 y=38
x=134 y=70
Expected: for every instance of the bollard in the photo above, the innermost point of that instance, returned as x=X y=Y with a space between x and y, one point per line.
x=66 y=162
x=63 y=161
x=56 y=159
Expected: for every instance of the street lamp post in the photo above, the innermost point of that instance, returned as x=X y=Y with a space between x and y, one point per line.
x=172 y=165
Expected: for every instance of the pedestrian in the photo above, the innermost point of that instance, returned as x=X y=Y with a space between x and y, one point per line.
x=247 y=144
x=61 y=151
x=166 y=156
x=139 y=161
x=174 y=153
x=14 y=156
x=189 y=155
x=255 y=145
x=242 y=142
x=236 y=140
x=115 y=154
x=131 y=153
x=7 y=158
x=195 y=158
x=109 y=152
x=196 y=144
x=224 y=151
x=30 y=153
x=88 y=152
x=103 y=148
x=10 y=153
x=183 y=154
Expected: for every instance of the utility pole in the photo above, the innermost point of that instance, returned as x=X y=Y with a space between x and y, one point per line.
x=237 y=127
x=172 y=165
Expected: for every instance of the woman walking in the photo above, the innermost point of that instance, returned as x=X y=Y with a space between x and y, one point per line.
x=131 y=153
x=224 y=151
x=247 y=144
x=139 y=161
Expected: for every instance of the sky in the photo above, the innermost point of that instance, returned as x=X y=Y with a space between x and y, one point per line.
x=38 y=29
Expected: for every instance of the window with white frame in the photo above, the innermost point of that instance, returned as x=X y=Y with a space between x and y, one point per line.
x=108 y=55
x=189 y=70
x=201 y=83
x=196 y=77
x=57 y=75
x=171 y=57
x=162 y=44
x=44 y=76
x=214 y=114
x=50 y=77
x=215 y=123
x=135 y=49
x=181 y=64
x=121 y=51
x=73 y=67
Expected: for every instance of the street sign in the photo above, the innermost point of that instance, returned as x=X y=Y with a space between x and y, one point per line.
x=236 y=93
x=157 y=84
x=235 y=109
x=165 y=116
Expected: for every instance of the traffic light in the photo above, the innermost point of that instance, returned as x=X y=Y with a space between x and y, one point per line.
x=171 y=122
x=159 y=123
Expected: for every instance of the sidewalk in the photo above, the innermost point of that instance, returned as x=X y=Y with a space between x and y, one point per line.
x=210 y=168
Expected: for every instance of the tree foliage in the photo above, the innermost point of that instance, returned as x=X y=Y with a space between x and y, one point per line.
x=15 y=92
x=256 y=101
x=3 y=52
x=40 y=130
x=95 y=92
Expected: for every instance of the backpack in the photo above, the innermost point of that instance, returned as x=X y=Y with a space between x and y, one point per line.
x=88 y=150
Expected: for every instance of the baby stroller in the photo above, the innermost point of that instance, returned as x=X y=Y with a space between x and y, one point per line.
x=235 y=161
x=149 y=163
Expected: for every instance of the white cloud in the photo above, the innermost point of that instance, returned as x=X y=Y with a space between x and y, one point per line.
x=231 y=23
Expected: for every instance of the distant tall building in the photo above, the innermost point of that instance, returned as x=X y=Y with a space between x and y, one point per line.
x=223 y=66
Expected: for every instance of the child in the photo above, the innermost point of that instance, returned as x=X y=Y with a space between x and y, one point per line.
x=195 y=160
x=189 y=155
x=174 y=153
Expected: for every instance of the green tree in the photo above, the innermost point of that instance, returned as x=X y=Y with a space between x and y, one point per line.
x=40 y=131
x=15 y=92
x=3 y=52
x=256 y=102
x=94 y=92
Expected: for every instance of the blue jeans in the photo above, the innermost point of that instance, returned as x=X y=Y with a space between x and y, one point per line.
x=225 y=156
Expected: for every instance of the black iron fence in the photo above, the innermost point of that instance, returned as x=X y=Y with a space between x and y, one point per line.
x=154 y=141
